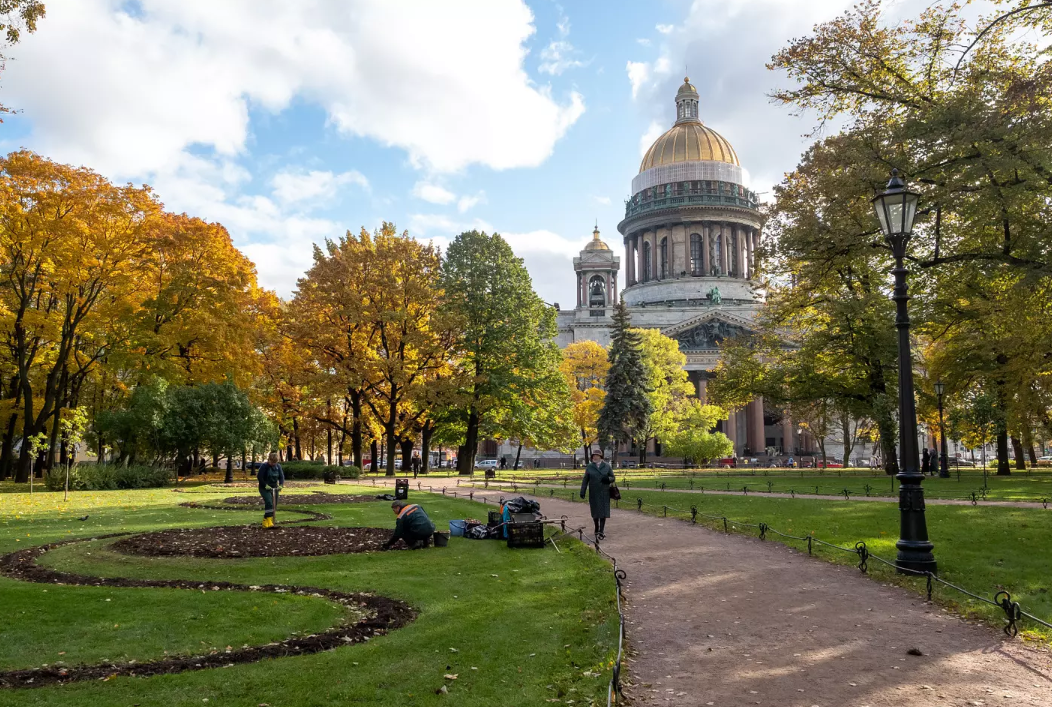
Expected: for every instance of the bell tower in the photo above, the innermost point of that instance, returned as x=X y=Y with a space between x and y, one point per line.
x=597 y=288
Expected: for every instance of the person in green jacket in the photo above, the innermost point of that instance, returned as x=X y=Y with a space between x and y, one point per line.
x=412 y=526
x=597 y=479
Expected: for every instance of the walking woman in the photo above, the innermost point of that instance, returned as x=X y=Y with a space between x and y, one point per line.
x=597 y=479
x=271 y=478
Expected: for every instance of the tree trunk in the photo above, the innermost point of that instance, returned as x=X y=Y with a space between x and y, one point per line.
x=1003 y=467
x=425 y=447
x=1017 y=450
x=296 y=437
x=328 y=434
x=356 y=428
x=407 y=454
x=229 y=478
x=466 y=452
x=518 y=454
x=1033 y=454
x=849 y=438
x=374 y=453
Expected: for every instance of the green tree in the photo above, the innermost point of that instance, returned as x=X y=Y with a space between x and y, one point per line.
x=668 y=388
x=627 y=406
x=694 y=438
x=504 y=350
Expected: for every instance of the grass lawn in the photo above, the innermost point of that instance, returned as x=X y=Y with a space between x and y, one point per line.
x=984 y=548
x=515 y=626
x=1030 y=485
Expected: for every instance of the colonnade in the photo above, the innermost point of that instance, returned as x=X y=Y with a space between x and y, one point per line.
x=726 y=249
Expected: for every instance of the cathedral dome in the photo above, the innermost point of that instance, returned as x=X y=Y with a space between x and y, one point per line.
x=689 y=141
x=595 y=243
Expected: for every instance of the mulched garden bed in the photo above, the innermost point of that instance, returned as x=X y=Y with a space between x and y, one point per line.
x=300 y=499
x=233 y=541
x=382 y=615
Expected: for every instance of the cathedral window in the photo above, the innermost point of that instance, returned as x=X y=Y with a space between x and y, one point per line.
x=663 y=259
x=696 y=257
x=647 y=262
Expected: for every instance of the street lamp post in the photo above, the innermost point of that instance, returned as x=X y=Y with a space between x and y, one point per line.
x=896 y=208
x=944 y=467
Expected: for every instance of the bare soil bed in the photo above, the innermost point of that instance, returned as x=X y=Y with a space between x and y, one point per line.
x=234 y=541
x=300 y=499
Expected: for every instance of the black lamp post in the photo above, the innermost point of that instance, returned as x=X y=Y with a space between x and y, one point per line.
x=944 y=467
x=896 y=208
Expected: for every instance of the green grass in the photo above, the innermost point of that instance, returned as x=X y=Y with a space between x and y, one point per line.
x=526 y=625
x=983 y=548
x=1035 y=485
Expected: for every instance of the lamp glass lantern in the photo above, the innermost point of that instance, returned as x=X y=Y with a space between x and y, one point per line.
x=896 y=207
x=940 y=387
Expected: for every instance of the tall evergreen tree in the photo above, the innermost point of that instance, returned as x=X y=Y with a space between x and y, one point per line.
x=626 y=407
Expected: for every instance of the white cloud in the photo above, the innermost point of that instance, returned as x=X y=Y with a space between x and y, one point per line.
x=291 y=187
x=665 y=29
x=442 y=81
x=643 y=41
x=653 y=132
x=638 y=74
x=443 y=228
x=604 y=200
x=469 y=202
x=557 y=56
x=433 y=193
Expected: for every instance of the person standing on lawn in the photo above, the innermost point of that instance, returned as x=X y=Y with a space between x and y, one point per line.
x=412 y=525
x=597 y=479
x=271 y=478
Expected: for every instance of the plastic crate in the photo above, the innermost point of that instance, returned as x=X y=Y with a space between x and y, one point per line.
x=526 y=534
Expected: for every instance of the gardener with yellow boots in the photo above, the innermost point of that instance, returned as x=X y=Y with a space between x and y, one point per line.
x=271 y=478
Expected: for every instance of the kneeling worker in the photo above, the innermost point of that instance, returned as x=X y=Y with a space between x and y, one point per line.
x=413 y=526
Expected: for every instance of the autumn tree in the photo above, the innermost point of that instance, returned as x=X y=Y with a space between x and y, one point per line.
x=585 y=366
x=695 y=438
x=17 y=16
x=667 y=385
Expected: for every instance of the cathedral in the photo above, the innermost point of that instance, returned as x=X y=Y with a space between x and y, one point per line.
x=691 y=236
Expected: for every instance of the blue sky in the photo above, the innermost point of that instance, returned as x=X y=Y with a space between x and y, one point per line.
x=290 y=122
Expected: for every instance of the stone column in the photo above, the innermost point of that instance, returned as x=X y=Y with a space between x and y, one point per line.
x=701 y=382
x=654 y=259
x=628 y=260
x=788 y=435
x=638 y=263
x=743 y=252
x=732 y=430
x=754 y=428
x=724 y=249
x=706 y=266
x=578 y=289
x=748 y=254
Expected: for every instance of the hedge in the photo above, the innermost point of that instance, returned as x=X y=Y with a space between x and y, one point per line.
x=102 y=477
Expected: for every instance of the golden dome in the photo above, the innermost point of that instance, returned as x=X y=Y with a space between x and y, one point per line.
x=595 y=243
x=689 y=141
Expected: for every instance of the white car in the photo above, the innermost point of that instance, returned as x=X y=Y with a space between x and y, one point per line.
x=486 y=464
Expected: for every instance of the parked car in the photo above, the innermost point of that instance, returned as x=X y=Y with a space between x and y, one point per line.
x=1044 y=461
x=486 y=464
x=959 y=461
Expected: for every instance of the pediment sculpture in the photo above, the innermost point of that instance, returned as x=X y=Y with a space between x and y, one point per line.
x=709 y=335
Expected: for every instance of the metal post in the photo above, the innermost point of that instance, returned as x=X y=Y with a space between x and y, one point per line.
x=915 y=550
x=944 y=468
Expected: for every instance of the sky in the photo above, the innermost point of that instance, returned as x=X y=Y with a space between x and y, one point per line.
x=292 y=122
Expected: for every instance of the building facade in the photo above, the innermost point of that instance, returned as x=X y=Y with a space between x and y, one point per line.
x=691 y=237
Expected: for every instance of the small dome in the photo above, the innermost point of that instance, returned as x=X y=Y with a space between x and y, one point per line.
x=689 y=141
x=595 y=243
x=686 y=88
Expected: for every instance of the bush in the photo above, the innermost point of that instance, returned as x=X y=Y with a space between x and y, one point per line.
x=316 y=470
x=102 y=477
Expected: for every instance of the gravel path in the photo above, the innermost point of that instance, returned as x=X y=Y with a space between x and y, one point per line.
x=724 y=620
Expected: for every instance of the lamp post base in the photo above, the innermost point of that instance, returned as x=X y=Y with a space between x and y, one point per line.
x=916 y=559
x=915 y=550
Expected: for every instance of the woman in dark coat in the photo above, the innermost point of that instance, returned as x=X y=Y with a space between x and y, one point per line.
x=597 y=479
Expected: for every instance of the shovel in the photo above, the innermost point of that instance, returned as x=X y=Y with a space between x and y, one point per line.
x=275 y=518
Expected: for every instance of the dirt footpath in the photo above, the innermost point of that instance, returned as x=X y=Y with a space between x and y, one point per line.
x=725 y=620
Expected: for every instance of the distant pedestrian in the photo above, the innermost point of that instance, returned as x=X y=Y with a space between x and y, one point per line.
x=925 y=462
x=271 y=478
x=597 y=479
x=415 y=462
x=934 y=461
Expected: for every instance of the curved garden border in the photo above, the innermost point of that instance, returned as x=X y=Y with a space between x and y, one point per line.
x=384 y=615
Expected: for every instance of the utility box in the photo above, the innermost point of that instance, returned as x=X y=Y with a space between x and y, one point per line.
x=401 y=489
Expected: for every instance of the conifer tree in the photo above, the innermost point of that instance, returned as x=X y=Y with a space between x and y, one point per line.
x=626 y=406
